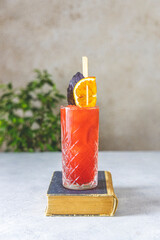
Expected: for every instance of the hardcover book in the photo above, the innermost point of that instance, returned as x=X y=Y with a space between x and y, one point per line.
x=100 y=201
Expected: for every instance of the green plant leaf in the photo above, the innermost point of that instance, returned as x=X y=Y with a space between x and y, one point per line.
x=27 y=116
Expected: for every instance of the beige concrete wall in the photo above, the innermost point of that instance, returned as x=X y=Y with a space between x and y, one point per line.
x=121 y=39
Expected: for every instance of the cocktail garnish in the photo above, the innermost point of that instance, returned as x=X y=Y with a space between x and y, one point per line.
x=85 y=92
x=75 y=79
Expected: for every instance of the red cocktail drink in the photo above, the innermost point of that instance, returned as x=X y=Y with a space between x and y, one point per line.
x=79 y=136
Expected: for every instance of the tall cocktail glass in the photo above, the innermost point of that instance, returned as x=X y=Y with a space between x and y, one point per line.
x=79 y=144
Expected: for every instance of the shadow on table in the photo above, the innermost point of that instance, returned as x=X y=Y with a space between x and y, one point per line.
x=137 y=200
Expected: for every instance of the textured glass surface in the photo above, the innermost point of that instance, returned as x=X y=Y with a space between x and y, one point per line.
x=79 y=139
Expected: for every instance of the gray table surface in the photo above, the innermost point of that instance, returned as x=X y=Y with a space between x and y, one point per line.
x=24 y=179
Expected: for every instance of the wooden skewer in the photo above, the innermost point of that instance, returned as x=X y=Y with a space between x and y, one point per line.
x=87 y=97
x=85 y=74
x=85 y=66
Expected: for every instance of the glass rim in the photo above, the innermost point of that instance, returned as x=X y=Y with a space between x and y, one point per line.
x=74 y=107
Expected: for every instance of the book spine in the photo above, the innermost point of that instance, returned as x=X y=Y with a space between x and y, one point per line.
x=110 y=191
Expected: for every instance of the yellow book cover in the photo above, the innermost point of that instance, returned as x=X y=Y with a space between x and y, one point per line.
x=100 y=201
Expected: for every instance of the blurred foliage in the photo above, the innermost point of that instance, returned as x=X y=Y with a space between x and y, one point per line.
x=28 y=117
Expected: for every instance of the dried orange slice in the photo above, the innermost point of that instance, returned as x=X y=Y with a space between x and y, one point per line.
x=85 y=92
